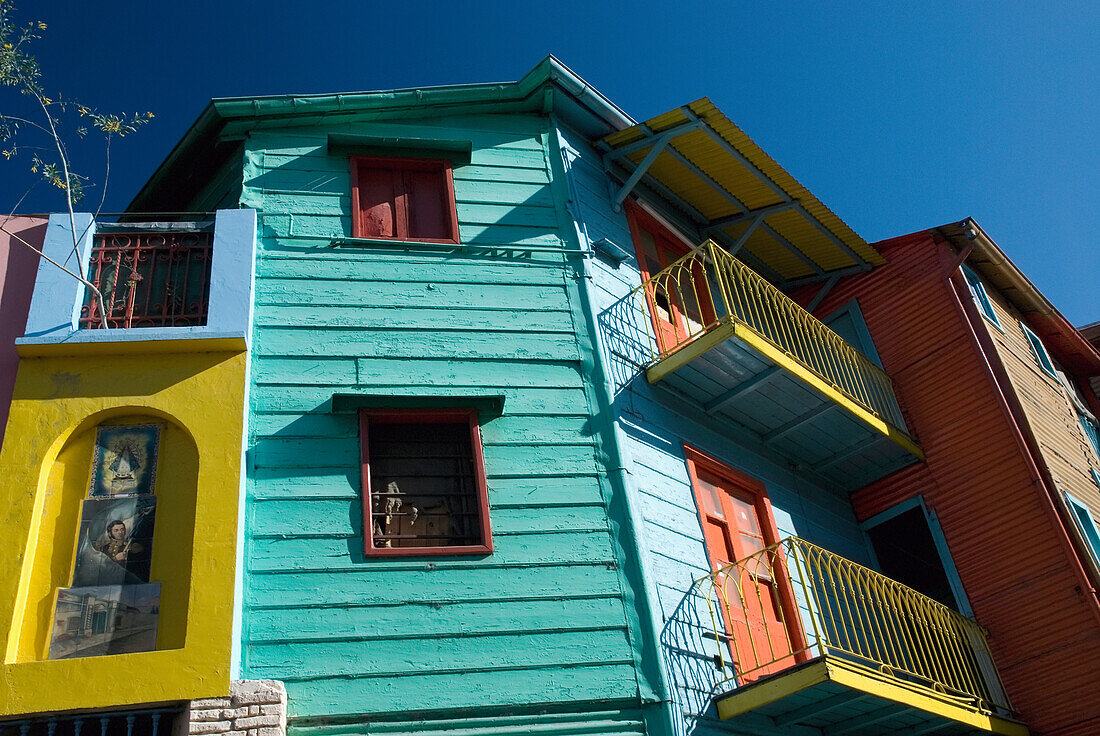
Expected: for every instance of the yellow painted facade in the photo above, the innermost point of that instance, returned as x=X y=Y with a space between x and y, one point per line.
x=198 y=398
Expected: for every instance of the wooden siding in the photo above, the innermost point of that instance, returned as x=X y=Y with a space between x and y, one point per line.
x=1065 y=449
x=538 y=626
x=1004 y=539
x=655 y=429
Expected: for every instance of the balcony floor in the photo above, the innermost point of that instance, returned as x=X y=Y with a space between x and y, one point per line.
x=835 y=697
x=794 y=414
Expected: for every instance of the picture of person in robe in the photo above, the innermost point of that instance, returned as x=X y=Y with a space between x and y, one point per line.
x=116 y=541
x=125 y=460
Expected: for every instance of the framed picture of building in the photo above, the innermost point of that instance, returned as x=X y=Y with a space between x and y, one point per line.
x=124 y=461
x=106 y=619
x=115 y=545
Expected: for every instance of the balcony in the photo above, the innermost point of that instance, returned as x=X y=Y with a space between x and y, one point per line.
x=166 y=285
x=807 y=638
x=722 y=339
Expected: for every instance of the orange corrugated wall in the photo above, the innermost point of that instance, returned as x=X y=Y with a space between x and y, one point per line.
x=1004 y=538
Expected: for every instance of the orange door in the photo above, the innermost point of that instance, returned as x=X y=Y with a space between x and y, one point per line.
x=754 y=591
x=679 y=301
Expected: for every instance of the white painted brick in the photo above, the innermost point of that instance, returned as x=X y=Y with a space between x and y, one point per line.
x=268 y=732
x=207 y=714
x=256 y=722
x=209 y=727
x=271 y=710
x=211 y=703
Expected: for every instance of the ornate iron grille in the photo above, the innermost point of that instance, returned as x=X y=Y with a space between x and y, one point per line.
x=149 y=280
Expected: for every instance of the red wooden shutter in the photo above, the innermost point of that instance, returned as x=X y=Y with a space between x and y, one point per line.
x=429 y=215
x=379 y=192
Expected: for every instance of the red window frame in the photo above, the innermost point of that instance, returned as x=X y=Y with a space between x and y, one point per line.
x=367 y=417
x=401 y=228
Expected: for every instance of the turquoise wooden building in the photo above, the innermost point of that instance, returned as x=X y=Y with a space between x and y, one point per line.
x=531 y=451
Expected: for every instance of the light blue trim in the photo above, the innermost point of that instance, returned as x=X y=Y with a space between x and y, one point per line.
x=977 y=290
x=866 y=344
x=1039 y=350
x=240 y=235
x=1086 y=524
x=949 y=569
x=57 y=297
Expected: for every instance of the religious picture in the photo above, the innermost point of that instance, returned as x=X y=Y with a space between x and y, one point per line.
x=107 y=619
x=125 y=460
x=115 y=546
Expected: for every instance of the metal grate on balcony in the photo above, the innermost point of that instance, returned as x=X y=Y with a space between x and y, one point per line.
x=149 y=279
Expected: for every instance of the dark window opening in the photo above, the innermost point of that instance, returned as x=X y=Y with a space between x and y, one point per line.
x=425 y=484
x=907 y=553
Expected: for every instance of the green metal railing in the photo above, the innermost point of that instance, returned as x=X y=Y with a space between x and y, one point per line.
x=708 y=287
x=794 y=600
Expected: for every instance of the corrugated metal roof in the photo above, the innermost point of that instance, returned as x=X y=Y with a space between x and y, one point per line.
x=763 y=183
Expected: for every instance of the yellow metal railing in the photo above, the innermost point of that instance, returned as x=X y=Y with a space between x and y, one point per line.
x=708 y=287
x=794 y=601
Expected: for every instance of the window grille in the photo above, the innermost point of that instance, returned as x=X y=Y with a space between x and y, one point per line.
x=149 y=280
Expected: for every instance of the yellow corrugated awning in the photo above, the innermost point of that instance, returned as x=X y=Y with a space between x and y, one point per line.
x=699 y=161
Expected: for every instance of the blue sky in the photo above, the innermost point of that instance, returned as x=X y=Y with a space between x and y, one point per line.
x=898 y=117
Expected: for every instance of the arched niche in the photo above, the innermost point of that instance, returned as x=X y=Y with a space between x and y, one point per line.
x=66 y=474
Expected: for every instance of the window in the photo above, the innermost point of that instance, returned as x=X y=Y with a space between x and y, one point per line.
x=1086 y=524
x=149 y=279
x=403 y=199
x=977 y=290
x=1040 y=351
x=423 y=477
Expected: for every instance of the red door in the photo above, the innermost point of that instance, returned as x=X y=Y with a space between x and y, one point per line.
x=680 y=303
x=754 y=591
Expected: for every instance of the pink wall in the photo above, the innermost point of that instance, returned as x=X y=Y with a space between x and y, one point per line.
x=18 y=267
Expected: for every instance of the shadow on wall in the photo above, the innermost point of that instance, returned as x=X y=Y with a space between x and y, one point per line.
x=18 y=268
x=694 y=663
x=92 y=376
x=628 y=334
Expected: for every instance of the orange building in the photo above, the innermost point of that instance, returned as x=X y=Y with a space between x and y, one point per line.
x=995 y=383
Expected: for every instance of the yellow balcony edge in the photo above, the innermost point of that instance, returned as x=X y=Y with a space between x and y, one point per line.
x=864 y=680
x=691 y=350
x=874 y=682
x=772 y=690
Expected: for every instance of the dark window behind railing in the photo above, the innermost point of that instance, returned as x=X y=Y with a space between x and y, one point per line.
x=149 y=279
x=153 y=722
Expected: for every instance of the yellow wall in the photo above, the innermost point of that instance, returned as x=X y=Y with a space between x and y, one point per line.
x=45 y=464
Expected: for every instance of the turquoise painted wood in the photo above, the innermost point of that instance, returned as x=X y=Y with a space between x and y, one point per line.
x=541 y=629
x=655 y=429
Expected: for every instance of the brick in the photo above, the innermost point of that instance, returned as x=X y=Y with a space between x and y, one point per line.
x=253 y=710
x=258 y=692
x=207 y=714
x=271 y=710
x=268 y=731
x=211 y=703
x=230 y=713
x=256 y=722
x=209 y=727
